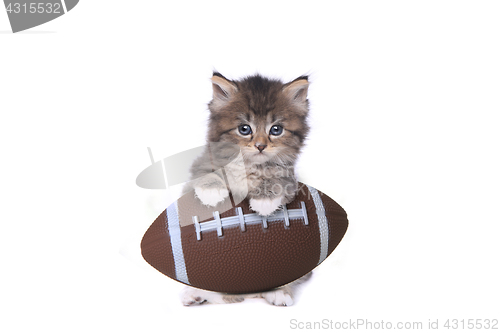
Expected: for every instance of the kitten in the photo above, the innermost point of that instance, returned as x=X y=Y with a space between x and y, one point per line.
x=266 y=120
x=259 y=125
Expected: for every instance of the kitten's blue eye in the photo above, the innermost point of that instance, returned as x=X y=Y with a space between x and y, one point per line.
x=245 y=129
x=276 y=130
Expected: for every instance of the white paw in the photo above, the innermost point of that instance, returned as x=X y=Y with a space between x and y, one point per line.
x=193 y=296
x=265 y=207
x=211 y=196
x=278 y=297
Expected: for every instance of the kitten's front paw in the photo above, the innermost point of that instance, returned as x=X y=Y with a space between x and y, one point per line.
x=211 y=196
x=265 y=206
x=279 y=297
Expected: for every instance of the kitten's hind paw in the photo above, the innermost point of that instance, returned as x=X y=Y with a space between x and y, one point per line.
x=265 y=206
x=279 y=297
x=211 y=196
x=193 y=296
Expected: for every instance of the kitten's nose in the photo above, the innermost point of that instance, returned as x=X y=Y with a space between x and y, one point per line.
x=260 y=147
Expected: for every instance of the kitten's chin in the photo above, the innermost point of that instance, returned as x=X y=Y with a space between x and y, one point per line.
x=259 y=158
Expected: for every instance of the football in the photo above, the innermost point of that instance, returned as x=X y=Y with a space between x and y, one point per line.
x=229 y=248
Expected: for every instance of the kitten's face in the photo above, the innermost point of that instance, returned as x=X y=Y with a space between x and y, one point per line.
x=265 y=118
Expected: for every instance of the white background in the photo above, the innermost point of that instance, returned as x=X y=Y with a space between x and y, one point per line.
x=405 y=134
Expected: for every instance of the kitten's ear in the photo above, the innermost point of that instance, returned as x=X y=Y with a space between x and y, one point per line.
x=222 y=87
x=297 y=89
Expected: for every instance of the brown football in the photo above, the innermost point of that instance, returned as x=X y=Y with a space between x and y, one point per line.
x=229 y=248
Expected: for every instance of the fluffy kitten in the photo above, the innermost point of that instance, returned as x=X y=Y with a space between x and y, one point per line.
x=266 y=120
x=259 y=125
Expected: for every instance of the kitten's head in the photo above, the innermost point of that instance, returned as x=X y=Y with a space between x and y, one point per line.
x=265 y=118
